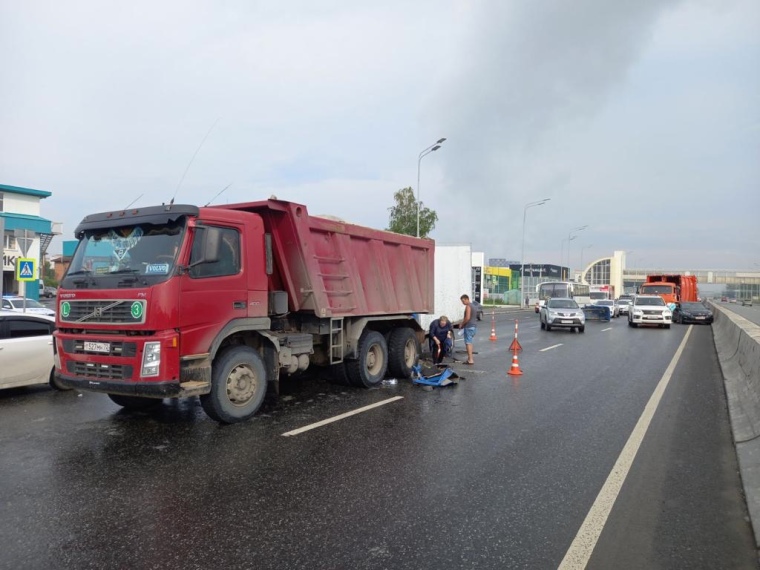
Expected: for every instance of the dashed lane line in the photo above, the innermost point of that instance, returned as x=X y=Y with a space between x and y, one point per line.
x=341 y=416
x=550 y=347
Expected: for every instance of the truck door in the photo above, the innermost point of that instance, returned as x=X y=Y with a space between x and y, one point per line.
x=212 y=294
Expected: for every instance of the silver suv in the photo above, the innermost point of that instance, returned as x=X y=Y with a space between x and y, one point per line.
x=562 y=312
x=649 y=310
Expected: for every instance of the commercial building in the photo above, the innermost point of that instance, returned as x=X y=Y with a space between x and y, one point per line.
x=25 y=235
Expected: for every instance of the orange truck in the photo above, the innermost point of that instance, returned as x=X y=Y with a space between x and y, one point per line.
x=672 y=288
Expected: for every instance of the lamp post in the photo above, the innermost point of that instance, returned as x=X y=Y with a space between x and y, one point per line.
x=584 y=247
x=522 y=260
x=432 y=148
x=562 y=254
x=569 y=239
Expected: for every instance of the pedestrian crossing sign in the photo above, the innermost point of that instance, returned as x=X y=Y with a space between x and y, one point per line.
x=25 y=270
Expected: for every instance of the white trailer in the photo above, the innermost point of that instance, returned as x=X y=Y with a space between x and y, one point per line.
x=453 y=277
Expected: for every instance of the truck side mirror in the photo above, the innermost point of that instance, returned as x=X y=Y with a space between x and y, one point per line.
x=212 y=240
x=209 y=241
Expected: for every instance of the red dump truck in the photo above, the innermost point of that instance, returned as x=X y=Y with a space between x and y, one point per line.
x=221 y=302
x=672 y=288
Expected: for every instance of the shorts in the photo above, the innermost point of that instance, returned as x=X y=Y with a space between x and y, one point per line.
x=469 y=334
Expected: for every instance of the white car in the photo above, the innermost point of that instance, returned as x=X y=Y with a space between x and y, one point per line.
x=33 y=307
x=562 y=312
x=623 y=306
x=649 y=310
x=26 y=350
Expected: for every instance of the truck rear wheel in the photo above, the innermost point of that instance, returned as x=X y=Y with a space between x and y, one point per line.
x=403 y=352
x=134 y=402
x=369 y=368
x=238 y=386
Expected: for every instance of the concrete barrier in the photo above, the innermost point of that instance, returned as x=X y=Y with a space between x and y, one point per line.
x=737 y=342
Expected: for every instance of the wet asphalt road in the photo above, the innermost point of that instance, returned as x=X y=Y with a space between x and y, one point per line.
x=498 y=472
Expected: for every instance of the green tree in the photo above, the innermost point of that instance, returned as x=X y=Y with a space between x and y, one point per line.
x=403 y=218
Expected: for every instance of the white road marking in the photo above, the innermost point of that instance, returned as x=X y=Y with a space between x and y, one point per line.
x=584 y=543
x=607 y=329
x=550 y=347
x=341 y=416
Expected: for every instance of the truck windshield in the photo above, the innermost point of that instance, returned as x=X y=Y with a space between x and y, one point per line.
x=147 y=250
x=656 y=289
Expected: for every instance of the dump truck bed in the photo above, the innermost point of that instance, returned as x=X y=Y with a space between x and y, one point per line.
x=337 y=269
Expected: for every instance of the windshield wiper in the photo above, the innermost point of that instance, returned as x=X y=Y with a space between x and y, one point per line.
x=130 y=281
x=128 y=270
x=85 y=282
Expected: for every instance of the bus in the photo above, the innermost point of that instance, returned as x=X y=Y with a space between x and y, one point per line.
x=578 y=291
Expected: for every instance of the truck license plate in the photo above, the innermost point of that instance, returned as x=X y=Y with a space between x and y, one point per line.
x=97 y=346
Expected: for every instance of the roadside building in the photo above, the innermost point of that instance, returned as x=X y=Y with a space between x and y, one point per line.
x=22 y=227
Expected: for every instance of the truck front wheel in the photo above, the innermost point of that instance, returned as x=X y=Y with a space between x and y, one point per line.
x=369 y=368
x=403 y=352
x=238 y=386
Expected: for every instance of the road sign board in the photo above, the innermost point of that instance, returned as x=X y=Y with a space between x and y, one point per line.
x=25 y=269
x=24 y=239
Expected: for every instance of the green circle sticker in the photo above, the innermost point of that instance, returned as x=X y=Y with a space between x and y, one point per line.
x=65 y=309
x=137 y=310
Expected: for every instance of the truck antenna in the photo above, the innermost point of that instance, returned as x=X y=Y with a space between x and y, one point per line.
x=191 y=161
x=217 y=194
x=133 y=201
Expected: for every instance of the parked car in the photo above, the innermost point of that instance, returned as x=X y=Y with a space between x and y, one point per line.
x=26 y=350
x=746 y=302
x=724 y=299
x=649 y=310
x=623 y=306
x=49 y=292
x=614 y=309
x=562 y=312
x=692 y=313
x=13 y=303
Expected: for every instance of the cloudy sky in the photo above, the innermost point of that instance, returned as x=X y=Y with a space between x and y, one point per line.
x=638 y=119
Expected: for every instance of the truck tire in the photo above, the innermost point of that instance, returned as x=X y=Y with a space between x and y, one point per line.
x=339 y=375
x=134 y=402
x=403 y=352
x=55 y=384
x=369 y=368
x=238 y=386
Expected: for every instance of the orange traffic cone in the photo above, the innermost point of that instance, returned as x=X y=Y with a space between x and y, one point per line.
x=515 y=368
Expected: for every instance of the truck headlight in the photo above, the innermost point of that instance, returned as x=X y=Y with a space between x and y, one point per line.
x=151 y=360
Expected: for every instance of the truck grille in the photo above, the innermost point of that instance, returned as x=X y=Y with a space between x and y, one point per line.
x=103 y=312
x=100 y=371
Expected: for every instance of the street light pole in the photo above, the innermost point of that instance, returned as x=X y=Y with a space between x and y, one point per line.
x=569 y=239
x=522 y=260
x=432 y=148
x=584 y=247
